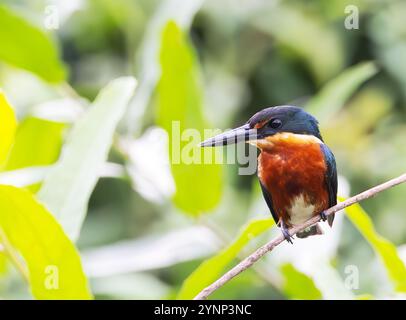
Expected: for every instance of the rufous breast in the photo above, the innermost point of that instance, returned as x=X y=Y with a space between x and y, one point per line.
x=292 y=168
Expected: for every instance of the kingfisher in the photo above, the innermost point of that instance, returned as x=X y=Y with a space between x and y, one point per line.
x=296 y=169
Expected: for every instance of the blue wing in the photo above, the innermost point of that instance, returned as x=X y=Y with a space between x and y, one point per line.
x=268 y=200
x=331 y=178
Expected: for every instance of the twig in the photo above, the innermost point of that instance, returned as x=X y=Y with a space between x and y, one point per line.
x=259 y=253
x=261 y=272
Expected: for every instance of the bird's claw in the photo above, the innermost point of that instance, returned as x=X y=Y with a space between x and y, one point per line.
x=286 y=235
x=323 y=216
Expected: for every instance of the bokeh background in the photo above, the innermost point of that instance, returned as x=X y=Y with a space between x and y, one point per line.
x=154 y=230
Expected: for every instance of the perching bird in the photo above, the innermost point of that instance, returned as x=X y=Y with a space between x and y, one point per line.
x=296 y=170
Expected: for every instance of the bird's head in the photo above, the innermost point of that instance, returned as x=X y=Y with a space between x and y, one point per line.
x=268 y=123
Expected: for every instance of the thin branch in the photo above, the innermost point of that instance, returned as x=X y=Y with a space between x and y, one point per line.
x=259 y=253
x=224 y=238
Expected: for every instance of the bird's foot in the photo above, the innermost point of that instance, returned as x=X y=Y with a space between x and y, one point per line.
x=323 y=216
x=285 y=232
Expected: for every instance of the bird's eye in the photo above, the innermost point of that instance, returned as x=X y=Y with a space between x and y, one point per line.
x=275 y=123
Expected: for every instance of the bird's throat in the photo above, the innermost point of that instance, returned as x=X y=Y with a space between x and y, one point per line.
x=284 y=139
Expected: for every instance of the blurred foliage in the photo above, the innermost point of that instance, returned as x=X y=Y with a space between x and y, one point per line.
x=27 y=47
x=37 y=142
x=67 y=187
x=7 y=130
x=154 y=229
x=385 y=249
x=210 y=270
x=55 y=271
x=335 y=93
x=298 y=285
x=180 y=104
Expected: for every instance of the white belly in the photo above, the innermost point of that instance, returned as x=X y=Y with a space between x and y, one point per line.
x=300 y=210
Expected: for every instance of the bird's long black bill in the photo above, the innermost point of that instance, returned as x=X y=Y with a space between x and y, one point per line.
x=244 y=133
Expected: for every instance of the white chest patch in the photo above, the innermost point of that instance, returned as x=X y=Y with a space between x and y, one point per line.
x=300 y=211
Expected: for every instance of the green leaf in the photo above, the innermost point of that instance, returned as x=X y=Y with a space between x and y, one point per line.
x=3 y=263
x=336 y=92
x=183 y=13
x=313 y=40
x=55 y=270
x=37 y=143
x=67 y=188
x=8 y=126
x=180 y=100
x=28 y=47
x=298 y=285
x=211 y=269
x=385 y=250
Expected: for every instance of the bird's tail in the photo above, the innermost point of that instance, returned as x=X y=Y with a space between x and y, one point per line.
x=310 y=231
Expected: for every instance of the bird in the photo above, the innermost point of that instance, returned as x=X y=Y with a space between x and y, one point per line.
x=297 y=171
